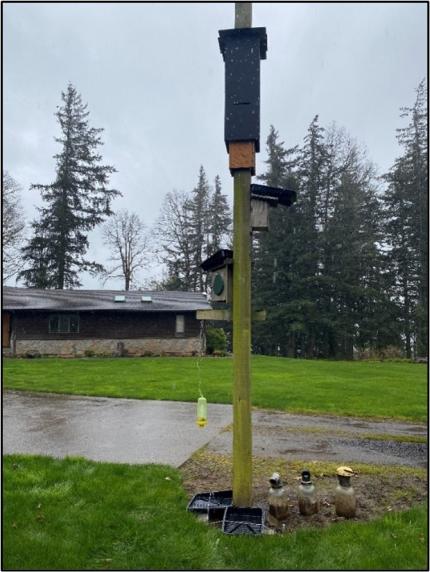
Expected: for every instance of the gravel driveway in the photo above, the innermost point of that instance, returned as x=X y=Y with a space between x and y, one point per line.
x=330 y=438
x=138 y=431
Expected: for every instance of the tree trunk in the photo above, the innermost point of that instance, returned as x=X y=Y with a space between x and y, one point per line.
x=291 y=346
x=406 y=317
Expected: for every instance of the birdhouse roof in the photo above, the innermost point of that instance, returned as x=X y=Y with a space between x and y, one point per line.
x=217 y=260
x=284 y=197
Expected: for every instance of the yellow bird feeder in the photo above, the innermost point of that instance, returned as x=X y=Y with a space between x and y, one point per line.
x=202 y=412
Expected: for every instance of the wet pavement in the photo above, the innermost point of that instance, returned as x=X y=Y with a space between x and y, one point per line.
x=330 y=438
x=140 y=431
x=105 y=429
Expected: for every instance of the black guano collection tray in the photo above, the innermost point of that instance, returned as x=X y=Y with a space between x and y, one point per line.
x=212 y=503
x=243 y=520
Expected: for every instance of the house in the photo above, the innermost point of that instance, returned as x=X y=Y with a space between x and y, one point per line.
x=101 y=322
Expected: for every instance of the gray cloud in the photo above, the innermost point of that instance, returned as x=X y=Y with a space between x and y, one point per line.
x=153 y=77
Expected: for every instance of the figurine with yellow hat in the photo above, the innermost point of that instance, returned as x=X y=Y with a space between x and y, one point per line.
x=344 y=500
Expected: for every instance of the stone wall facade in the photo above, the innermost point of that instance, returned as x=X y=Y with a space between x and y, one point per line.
x=103 y=347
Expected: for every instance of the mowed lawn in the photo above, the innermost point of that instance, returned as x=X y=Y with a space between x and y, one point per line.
x=365 y=389
x=74 y=514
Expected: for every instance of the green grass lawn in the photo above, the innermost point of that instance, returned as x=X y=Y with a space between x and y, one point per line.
x=75 y=514
x=366 y=389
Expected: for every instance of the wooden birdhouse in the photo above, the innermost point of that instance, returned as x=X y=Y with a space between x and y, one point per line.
x=219 y=267
x=262 y=198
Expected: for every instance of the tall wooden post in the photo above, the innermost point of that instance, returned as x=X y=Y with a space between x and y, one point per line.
x=242 y=429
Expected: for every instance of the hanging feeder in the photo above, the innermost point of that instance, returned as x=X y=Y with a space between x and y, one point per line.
x=202 y=412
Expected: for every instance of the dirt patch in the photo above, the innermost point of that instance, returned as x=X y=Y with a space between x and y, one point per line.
x=379 y=489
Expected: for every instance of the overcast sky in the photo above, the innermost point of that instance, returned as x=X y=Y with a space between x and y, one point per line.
x=153 y=78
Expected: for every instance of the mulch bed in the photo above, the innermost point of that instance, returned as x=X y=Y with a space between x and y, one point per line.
x=391 y=489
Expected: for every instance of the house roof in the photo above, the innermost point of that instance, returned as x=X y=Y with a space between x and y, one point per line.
x=95 y=300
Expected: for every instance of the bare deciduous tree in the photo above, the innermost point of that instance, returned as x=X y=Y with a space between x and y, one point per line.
x=126 y=236
x=174 y=240
x=13 y=226
x=191 y=227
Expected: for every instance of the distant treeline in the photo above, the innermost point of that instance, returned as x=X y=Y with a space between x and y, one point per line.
x=342 y=273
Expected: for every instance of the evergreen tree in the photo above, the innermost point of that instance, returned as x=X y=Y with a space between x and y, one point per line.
x=199 y=229
x=400 y=256
x=414 y=139
x=354 y=311
x=38 y=275
x=77 y=201
x=287 y=257
x=272 y=280
x=351 y=242
x=319 y=270
x=219 y=219
x=311 y=179
x=406 y=213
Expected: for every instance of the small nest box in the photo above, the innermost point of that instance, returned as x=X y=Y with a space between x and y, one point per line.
x=219 y=267
x=263 y=197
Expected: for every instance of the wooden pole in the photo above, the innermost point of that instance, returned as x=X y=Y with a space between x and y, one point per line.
x=243 y=14
x=242 y=430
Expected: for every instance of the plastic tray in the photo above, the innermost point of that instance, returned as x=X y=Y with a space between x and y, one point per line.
x=212 y=503
x=243 y=521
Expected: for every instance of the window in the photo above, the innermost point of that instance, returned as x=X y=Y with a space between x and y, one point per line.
x=64 y=324
x=180 y=324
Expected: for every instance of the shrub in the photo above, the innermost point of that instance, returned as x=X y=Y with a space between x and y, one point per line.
x=216 y=341
x=89 y=353
x=218 y=353
x=389 y=353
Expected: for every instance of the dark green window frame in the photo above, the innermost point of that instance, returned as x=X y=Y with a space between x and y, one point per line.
x=63 y=324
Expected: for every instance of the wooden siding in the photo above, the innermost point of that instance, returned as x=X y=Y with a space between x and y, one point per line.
x=106 y=325
x=5 y=338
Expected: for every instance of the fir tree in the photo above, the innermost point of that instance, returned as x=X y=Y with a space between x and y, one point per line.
x=353 y=303
x=78 y=200
x=307 y=251
x=271 y=253
x=219 y=219
x=199 y=229
x=414 y=139
x=318 y=270
x=406 y=212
